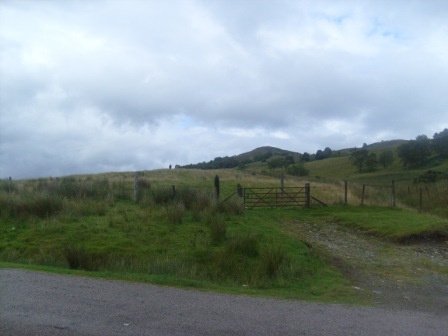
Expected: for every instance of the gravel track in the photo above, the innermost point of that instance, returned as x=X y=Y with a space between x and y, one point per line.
x=411 y=277
x=35 y=303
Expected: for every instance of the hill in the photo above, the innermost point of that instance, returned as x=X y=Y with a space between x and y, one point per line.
x=261 y=154
x=329 y=164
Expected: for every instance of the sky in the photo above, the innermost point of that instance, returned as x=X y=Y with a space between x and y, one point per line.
x=129 y=85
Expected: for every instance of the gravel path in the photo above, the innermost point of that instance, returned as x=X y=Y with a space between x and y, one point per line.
x=412 y=277
x=34 y=303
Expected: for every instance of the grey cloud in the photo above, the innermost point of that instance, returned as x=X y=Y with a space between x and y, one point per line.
x=94 y=86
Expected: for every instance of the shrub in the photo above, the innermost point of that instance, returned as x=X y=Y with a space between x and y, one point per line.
x=79 y=258
x=271 y=259
x=245 y=244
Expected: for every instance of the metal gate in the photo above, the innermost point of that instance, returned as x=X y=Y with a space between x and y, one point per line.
x=291 y=197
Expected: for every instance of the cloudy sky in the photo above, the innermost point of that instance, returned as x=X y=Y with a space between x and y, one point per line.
x=124 y=85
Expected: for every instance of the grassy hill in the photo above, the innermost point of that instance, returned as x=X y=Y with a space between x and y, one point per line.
x=339 y=167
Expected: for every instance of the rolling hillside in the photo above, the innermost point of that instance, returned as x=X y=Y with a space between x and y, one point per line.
x=336 y=167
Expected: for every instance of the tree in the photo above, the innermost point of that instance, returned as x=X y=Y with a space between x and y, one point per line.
x=298 y=170
x=386 y=158
x=305 y=157
x=440 y=143
x=415 y=152
x=326 y=153
x=289 y=158
x=359 y=157
x=279 y=162
x=371 y=161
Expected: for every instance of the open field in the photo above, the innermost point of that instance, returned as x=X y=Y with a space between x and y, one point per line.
x=184 y=236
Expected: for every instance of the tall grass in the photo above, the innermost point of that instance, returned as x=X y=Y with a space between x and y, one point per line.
x=38 y=205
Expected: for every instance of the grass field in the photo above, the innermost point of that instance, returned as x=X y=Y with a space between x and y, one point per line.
x=91 y=225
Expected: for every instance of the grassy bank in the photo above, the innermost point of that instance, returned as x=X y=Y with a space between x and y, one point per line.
x=189 y=240
x=184 y=236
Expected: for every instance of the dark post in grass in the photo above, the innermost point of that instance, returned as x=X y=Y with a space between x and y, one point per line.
x=345 y=192
x=239 y=190
x=217 y=186
x=174 y=190
x=362 y=195
x=393 y=193
x=282 y=184
x=307 y=195
x=421 y=198
x=136 y=188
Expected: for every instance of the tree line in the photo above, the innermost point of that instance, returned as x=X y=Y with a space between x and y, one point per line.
x=412 y=153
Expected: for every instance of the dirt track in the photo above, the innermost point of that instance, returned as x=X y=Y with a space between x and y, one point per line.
x=33 y=303
x=412 y=277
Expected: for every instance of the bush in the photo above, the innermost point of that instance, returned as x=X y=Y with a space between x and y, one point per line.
x=79 y=258
x=246 y=245
x=271 y=259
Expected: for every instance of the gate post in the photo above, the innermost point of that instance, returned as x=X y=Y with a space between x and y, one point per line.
x=307 y=195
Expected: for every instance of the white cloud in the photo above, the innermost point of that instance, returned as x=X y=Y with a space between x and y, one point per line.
x=113 y=85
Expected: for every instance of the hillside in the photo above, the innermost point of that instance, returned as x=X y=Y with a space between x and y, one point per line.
x=335 y=165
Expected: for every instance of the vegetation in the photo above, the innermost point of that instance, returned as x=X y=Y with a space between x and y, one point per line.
x=180 y=233
x=186 y=237
x=415 y=152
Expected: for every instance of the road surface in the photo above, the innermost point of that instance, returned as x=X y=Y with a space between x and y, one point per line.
x=35 y=303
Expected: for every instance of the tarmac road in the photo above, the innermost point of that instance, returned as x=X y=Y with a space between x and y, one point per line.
x=35 y=303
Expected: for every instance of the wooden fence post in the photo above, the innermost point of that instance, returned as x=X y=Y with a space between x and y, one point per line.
x=345 y=192
x=362 y=195
x=282 y=181
x=217 y=186
x=393 y=193
x=421 y=198
x=307 y=195
x=136 y=188
x=174 y=190
x=239 y=190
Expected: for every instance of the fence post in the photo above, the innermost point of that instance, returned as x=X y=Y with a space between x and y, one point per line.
x=239 y=190
x=217 y=186
x=393 y=193
x=174 y=190
x=362 y=195
x=307 y=195
x=421 y=198
x=136 y=188
x=345 y=192
x=282 y=181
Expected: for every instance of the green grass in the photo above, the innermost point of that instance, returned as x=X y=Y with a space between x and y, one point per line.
x=215 y=247
x=397 y=225
x=187 y=238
